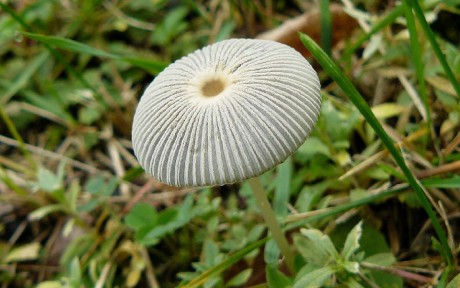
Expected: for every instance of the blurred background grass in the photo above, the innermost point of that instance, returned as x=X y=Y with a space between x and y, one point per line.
x=78 y=211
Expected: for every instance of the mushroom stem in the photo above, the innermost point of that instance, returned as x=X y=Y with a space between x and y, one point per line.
x=271 y=221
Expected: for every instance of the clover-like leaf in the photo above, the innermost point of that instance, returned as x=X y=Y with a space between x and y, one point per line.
x=315 y=247
x=352 y=241
x=315 y=278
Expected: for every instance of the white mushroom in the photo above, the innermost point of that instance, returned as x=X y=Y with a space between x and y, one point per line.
x=225 y=113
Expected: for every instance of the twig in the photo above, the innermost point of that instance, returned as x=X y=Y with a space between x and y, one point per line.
x=402 y=273
x=52 y=155
x=452 y=145
x=146 y=188
x=149 y=270
x=449 y=167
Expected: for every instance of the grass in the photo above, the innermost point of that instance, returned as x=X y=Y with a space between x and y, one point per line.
x=377 y=180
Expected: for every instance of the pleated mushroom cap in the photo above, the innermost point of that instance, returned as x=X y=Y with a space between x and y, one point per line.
x=225 y=113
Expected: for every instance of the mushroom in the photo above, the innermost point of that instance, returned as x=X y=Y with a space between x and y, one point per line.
x=225 y=113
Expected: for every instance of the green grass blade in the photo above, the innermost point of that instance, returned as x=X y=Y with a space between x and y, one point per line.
x=70 y=45
x=434 y=44
x=14 y=132
x=219 y=268
x=150 y=65
x=24 y=78
x=443 y=183
x=326 y=26
x=334 y=71
x=417 y=59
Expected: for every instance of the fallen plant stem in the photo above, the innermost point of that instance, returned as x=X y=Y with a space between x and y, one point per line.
x=49 y=154
x=399 y=272
x=445 y=168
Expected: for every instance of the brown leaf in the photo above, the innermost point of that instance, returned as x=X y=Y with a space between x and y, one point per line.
x=310 y=24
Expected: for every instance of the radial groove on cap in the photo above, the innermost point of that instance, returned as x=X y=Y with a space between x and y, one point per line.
x=267 y=100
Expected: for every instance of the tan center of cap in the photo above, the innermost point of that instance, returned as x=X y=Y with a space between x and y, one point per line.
x=212 y=87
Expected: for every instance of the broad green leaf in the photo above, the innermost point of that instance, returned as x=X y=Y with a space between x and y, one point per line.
x=276 y=278
x=315 y=279
x=168 y=221
x=239 y=279
x=339 y=123
x=184 y=213
x=315 y=247
x=210 y=252
x=352 y=283
x=310 y=196
x=382 y=259
x=109 y=189
x=75 y=272
x=271 y=252
x=88 y=115
x=95 y=184
x=99 y=185
x=386 y=280
x=310 y=148
x=352 y=242
x=351 y=266
x=142 y=214
x=256 y=232
x=47 y=180
x=41 y=212
x=455 y=283
x=50 y=284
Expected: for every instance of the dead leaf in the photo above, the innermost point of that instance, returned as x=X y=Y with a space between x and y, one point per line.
x=310 y=24
x=441 y=84
x=24 y=253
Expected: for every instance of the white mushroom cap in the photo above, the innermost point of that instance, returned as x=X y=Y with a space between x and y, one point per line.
x=225 y=113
